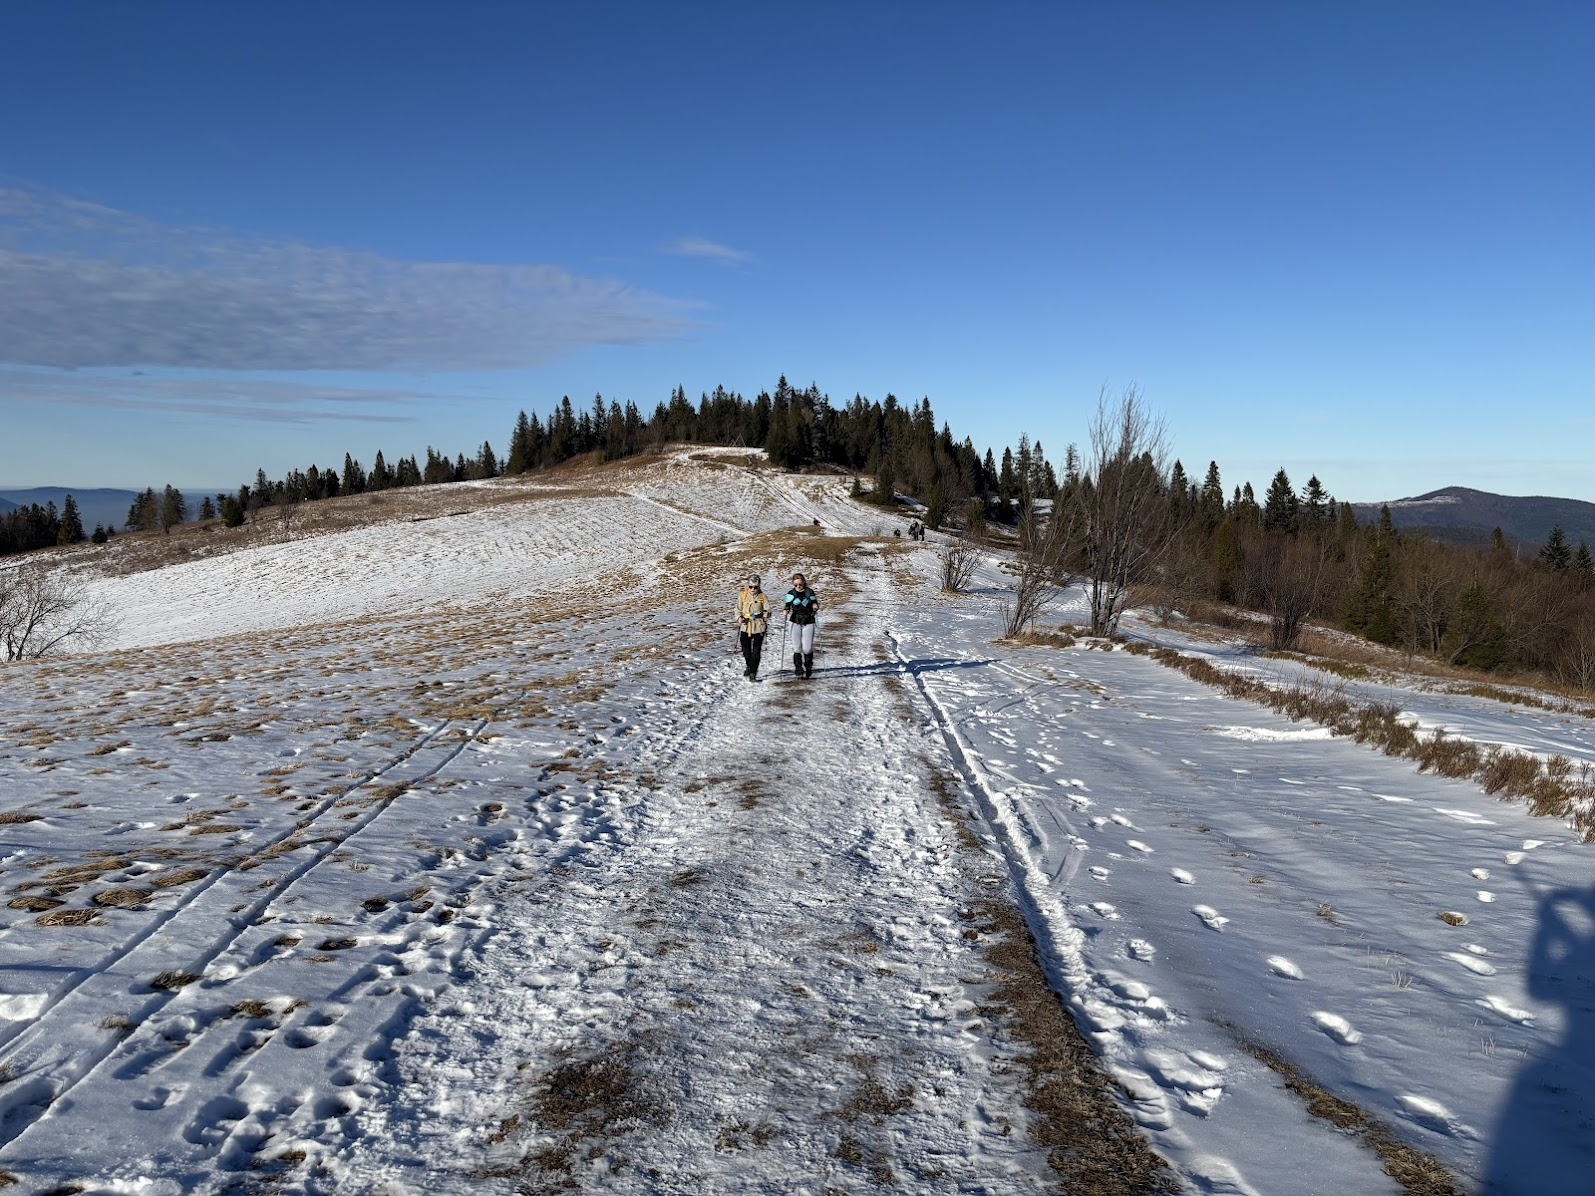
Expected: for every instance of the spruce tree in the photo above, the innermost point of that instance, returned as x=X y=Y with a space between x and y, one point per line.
x=1370 y=603
x=173 y=509
x=71 y=523
x=1212 y=500
x=1346 y=524
x=1281 y=510
x=1583 y=563
x=1316 y=503
x=1556 y=554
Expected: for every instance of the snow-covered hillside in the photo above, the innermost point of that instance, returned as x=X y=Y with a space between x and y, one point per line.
x=457 y=856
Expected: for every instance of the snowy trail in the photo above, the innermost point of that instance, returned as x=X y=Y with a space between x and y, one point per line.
x=770 y=988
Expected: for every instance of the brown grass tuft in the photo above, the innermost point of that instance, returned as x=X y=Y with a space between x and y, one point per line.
x=1092 y=1144
x=69 y=917
x=171 y=981
x=182 y=876
x=34 y=905
x=123 y=898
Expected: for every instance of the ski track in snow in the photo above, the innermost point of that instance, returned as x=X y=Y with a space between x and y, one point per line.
x=498 y=818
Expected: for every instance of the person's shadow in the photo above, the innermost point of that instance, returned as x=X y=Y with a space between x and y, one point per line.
x=1544 y=1144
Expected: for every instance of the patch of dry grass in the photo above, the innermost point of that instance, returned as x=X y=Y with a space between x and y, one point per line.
x=182 y=876
x=69 y=917
x=1092 y=1143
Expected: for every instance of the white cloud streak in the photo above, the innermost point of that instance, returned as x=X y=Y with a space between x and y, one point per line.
x=705 y=248
x=264 y=400
x=83 y=285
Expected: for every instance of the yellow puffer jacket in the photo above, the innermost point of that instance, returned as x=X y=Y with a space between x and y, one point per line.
x=753 y=611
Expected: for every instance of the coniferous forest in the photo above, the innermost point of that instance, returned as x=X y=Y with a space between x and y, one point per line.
x=1291 y=556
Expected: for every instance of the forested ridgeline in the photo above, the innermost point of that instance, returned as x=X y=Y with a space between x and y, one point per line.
x=1120 y=518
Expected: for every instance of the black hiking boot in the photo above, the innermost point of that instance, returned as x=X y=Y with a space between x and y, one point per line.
x=797 y=663
x=808 y=665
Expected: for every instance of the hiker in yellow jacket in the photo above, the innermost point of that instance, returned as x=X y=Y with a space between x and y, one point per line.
x=753 y=615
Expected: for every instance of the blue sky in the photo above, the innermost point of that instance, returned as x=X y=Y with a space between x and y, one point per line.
x=1352 y=239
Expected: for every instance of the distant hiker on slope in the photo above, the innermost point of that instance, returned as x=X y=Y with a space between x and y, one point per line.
x=753 y=613
x=802 y=605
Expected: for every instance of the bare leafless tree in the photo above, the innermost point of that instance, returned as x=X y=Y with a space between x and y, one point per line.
x=958 y=562
x=1118 y=521
x=1041 y=566
x=1286 y=576
x=41 y=611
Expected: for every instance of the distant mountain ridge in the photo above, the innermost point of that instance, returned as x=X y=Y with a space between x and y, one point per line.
x=95 y=505
x=1458 y=514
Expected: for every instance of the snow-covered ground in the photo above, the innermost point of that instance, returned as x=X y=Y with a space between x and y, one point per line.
x=457 y=856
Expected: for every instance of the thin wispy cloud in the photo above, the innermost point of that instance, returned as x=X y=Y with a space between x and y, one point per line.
x=82 y=285
x=704 y=248
x=261 y=400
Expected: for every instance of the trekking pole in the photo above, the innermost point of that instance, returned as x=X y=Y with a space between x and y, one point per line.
x=784 y=625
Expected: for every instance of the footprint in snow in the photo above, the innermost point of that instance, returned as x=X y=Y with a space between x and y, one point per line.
x=1486 y=896
x=1480 y=874
x=1099 y=872
x=1507 y=1010
x=1141 y=949
x=1181 y=875
x=1281 y=966
x=1513 y=857
x=1211 y=918
x=1103 y=910
x=1139 y=846
x=1122 y=820
x=1337 y=1028
x=1477 y=966
x=1099 y=822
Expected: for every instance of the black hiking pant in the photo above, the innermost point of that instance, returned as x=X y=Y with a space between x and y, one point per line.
x=752 y=649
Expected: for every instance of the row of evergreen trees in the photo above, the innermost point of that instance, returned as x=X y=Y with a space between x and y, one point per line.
x=899 y=444
x=27 y=528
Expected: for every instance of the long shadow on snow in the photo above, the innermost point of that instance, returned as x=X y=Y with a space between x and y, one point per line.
x=1543 y=1144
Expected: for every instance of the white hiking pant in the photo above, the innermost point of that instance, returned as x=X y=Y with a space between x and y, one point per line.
x=803 y=638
